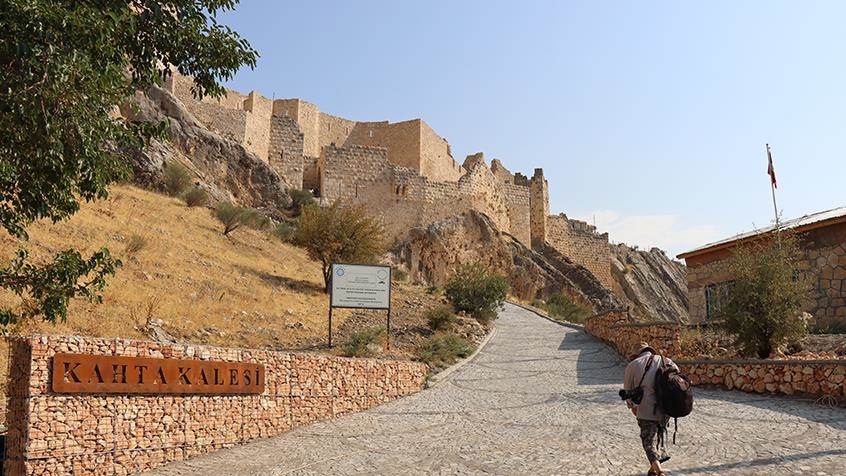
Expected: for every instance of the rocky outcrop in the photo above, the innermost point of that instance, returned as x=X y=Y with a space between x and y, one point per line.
x=653 y=286
x=431 y=254
x=224 y=167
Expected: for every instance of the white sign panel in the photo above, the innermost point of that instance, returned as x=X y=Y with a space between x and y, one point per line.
x=361 y=286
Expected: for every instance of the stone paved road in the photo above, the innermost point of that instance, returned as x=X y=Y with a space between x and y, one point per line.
x=541 y=399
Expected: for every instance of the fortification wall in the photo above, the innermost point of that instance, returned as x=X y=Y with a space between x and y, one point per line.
x=257 y=131
x=519 y=202
x=335 y=130
x=307 y=116
x=118 y=434
x=539 y=206
x=401 y=139
x=225 y=115
x=581 y=243
x=285 y=150
x=501 y=173
x=436 y=161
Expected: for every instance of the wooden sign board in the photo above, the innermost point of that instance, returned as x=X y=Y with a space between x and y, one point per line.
x=82 y=373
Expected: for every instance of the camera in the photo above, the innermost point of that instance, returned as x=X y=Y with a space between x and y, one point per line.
x=635 y=395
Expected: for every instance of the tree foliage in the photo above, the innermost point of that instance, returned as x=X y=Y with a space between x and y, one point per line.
x=339 y=234
x=768 y=294
x=475 y=289
x=65 y=67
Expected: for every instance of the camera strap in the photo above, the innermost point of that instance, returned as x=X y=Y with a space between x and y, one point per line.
x=651 y=359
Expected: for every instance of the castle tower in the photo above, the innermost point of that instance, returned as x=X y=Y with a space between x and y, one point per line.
x=538 y=209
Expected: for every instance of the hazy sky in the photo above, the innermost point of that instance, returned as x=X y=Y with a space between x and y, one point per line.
x=649 y=118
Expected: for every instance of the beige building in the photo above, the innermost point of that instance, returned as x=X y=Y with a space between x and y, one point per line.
x=823 y=240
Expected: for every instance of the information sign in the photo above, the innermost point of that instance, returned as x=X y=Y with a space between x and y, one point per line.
x=361 y=286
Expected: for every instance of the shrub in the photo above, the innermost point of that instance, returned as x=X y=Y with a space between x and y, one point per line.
x=399 y=275
x=176 y=178
x=135 y=244
x=300 y=199
x=440 y=318
x=362 y=343
x=764 y=304
x=475 y=289
x=233 y=216
x=196 y=197
x=259 y=221
x=443 y=349
x=833 y=327
x=561 y=306
x=284 y=231
x=339 y=234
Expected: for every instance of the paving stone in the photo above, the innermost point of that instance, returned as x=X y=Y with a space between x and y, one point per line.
x=541 y=399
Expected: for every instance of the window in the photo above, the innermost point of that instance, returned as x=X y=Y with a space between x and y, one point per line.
x=716 y=295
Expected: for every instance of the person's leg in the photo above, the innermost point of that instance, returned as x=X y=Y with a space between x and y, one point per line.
x=648 y=433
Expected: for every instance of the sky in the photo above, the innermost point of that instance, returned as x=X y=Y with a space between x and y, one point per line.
x=649 y=118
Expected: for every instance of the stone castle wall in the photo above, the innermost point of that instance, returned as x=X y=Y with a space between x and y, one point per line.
x=404 y=172
x=580 y=242
x=58 y=434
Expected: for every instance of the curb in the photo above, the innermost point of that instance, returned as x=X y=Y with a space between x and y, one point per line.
x=441 y=376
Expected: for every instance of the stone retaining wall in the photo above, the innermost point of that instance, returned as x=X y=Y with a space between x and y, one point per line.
x=52 y=433
x=808 y=377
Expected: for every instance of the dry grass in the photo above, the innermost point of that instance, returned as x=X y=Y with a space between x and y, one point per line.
x=245 y=290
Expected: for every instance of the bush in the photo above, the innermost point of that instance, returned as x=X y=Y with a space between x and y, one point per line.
x=399 y=275
x=362 y=343
x=300 y=199
x=176 y=178
x=764 y=304
x=476 y=290
x=440 y=318
x=339 y=234
x=135 y=244
x=443 y=349
x=284 y=231
x=833 y=327
x=561 y=306
x=196 y=197
x=233 y=216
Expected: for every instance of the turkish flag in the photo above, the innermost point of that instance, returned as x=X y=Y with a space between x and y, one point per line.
x=770 y=169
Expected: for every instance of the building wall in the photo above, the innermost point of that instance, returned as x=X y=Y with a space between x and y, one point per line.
x=307 y=116
x=401 y=140
x=824 y=260
x=518 y=202
x=57 y=434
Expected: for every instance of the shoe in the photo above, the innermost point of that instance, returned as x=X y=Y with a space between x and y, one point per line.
x=664 y=458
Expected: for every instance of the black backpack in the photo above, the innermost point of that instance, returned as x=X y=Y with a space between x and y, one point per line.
x=673 y=393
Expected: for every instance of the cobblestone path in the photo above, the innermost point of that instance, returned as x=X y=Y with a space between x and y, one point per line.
x=541 y=399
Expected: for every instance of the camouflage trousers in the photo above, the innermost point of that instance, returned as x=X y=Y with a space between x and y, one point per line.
x=652 y=437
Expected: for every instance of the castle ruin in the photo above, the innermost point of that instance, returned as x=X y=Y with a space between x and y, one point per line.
x=403 y=172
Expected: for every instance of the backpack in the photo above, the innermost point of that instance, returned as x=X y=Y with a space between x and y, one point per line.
x=673 y=393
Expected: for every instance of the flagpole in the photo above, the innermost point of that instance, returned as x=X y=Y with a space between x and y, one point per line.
x=771 y=171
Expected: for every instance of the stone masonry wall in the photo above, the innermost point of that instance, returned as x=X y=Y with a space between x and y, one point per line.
x=56 y=434
x=257 y=131
x=539 y=206
x=580 y=242
x=285 y=150
x=809 y=377
x=436 y=161
x=519 y=202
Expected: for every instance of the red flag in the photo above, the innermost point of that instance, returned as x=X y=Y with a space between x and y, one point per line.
x=770 y=169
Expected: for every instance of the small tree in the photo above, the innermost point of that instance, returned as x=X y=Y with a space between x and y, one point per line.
x=766 y=299
x=233 y=216
x=176 y=178
x=300 y=199
x=338 y=234
x=475 y=289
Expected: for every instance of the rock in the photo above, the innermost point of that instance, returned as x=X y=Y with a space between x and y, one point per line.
x=227 y=170
x=653 y=285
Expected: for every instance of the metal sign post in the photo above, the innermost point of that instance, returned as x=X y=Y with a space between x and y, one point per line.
x=359 y=286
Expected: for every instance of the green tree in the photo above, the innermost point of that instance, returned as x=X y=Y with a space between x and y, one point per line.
x=65 y=67
x=475 y=289
x=338 y=234
x=767 y=296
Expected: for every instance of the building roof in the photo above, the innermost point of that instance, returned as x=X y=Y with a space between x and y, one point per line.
x=801 y=223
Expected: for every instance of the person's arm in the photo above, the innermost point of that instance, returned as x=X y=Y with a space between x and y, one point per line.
x=629 y=382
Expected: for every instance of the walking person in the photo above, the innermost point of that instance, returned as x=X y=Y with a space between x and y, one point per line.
x=640 y=372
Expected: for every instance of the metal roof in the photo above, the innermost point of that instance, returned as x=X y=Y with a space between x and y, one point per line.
x=793 y=223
